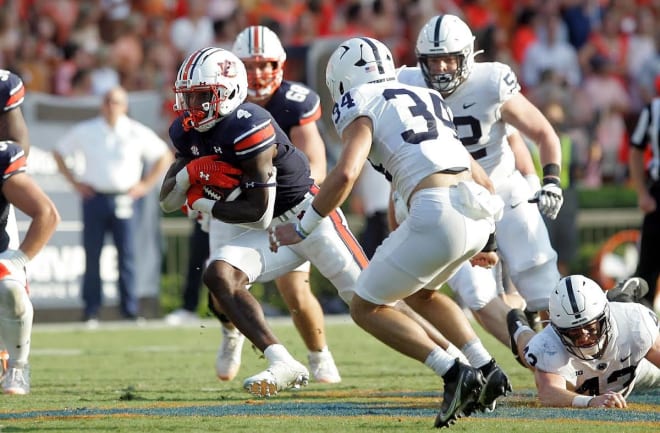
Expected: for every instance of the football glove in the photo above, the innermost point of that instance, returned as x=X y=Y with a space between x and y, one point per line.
x=549 y=198
x=195 y=200
x=209 y=170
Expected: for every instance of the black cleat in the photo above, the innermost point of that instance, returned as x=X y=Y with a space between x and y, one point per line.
x=497 y=385
x=514 y=320
x=461 y=392
x=629 y=290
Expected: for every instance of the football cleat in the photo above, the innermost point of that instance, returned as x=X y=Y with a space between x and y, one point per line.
x=629 y=290
x=228 y=359
x=279 y=376
x=515 y=319
x=16 y=381
x=323 y=368
x=497 y=385
x=460 y=395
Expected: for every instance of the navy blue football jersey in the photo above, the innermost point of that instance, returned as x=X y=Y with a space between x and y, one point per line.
x=243 y=134
x=12 y=91
x=294 y=104
x=12 y=161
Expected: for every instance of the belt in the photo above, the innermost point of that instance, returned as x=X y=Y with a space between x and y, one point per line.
x=295 y=211
x=478 y=154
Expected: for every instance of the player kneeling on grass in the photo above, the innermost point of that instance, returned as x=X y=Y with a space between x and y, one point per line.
x=595 y=350
x=18 y=189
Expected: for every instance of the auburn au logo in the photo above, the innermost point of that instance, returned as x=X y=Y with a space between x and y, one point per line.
x=228 y=68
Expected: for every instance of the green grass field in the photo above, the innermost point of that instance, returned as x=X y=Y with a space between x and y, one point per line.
x=158 y=379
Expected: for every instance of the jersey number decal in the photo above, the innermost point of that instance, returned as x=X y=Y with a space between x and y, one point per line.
x=590 y=386
x=421 y=109
x=475 y=129
x=297 y=93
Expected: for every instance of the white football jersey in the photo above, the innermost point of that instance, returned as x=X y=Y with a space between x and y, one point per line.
x=634 y=329
x=476 y=107
x=413 y=132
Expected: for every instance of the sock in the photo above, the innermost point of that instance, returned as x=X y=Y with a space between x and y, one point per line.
x=15 y=331
x=476 y=353
x=455 y=352
x=277 y=352
x=439 y=361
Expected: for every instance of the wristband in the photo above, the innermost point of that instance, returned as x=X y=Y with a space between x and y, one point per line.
x=551 y=179
x=300 y=231
x=551 y=169
x=19 y=259
x=581 y=400
x=310 y=220
x=204 y=205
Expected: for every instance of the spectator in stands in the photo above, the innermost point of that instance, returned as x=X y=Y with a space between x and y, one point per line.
x=192 y=31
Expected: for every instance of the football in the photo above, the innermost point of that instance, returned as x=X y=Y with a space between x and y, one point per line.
x=216 y=193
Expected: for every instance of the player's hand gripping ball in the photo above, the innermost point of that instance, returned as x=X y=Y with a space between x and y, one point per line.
x=215 y=193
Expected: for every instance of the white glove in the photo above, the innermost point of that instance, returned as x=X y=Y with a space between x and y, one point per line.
x=549 y=198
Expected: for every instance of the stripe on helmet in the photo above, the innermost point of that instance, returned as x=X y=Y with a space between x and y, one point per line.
x=436 y=31
x=195 y=59
x=256 y=41
x=571 y=297
x=374 y=48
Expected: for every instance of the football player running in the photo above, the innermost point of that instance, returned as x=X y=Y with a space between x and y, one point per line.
x=222 y=140
x=595 y=351
x=484 y=99
x=295 y=107
x=408 y=135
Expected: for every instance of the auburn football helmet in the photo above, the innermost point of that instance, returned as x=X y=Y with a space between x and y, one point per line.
x=211 y=83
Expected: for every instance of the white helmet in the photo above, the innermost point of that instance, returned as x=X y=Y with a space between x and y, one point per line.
x=579 y=309
x=261 y=44
x=358 y=61
x=211 y=83
x=445 y=35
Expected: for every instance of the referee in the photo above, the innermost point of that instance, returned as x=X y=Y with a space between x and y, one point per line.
x=646 y=181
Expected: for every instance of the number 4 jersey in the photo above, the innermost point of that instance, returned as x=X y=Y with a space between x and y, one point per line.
x=634 y=329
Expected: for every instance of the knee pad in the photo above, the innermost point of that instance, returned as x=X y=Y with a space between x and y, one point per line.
x=536 y=284
x=14 y=300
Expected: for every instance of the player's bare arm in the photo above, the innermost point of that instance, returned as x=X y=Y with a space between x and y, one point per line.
x=22 y=191
x=529 y=120
x=13 y=123
x=308 y=139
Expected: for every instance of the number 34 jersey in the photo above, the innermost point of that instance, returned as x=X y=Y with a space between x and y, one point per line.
x=475 y=106
x=413 y=133
x=634 y=328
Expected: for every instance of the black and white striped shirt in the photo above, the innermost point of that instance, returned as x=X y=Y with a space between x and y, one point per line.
x=647 y=132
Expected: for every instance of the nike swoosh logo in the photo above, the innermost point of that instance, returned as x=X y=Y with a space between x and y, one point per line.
x=466 y=106
x=624 y=359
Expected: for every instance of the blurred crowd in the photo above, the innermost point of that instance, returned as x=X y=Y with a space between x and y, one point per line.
x=590 y=65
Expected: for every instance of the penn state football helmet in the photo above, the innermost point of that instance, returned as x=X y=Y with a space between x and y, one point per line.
x=358 y=61
x=580 y=315
x=211 y=83
x=257 y=44
x=445 y=35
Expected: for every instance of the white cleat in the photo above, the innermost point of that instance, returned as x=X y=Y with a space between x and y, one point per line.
x=279 y=376
x=323 y=368
x=228 y=359
x=16 y=381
